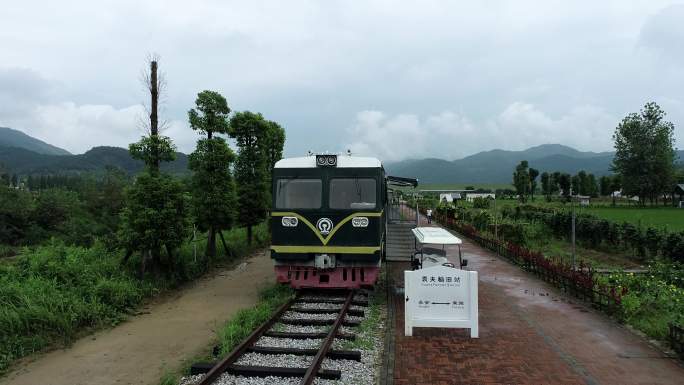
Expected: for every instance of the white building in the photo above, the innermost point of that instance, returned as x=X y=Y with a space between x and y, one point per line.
x=449 y=197
x=471 y=196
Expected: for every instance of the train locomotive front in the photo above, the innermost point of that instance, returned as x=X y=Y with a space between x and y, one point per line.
x=328 y=221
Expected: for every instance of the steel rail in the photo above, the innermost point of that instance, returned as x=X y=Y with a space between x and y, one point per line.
x=311 y=372
x=222 y=365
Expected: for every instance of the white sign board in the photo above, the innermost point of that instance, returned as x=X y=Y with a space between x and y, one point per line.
x=440 y=297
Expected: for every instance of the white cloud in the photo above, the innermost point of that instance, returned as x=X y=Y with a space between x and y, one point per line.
x=78 y=128
x=451 y=135
x=505 y=74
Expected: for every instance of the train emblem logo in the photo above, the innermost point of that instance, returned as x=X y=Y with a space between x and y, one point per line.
x=324 y=225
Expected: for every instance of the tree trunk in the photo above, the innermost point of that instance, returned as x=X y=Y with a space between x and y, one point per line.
x=211 y=242
x=127 y=256
x=154 y=118
x=225 y=246
x=156 y=259
x=249 y=234
x=176 y=267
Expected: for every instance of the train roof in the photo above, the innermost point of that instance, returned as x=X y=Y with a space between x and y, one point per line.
x=343 y=161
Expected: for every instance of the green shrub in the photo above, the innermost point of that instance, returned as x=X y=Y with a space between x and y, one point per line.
x=481 y=203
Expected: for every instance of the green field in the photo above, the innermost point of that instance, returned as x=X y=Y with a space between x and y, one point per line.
x=669 y=218
x=461 y=186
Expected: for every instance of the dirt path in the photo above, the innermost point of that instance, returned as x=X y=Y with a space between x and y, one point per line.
x=139 y=350
x=529 y=334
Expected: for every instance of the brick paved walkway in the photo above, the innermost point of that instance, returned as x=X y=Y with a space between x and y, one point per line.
x=529 y=334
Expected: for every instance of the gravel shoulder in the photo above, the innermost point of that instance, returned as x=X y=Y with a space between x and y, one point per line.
x=169 y=330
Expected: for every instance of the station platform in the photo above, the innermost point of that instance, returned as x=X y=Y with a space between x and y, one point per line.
x=530 y=333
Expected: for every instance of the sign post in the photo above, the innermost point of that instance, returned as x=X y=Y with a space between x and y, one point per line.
x=442 y=297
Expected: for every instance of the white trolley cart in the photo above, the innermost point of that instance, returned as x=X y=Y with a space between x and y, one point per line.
x=437 y=292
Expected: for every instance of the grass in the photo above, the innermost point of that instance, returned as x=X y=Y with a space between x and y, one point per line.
x=55 y=293
x=667 y=218
x=660 y=217
x=247 y=320
x=462 y=186
x=374 y=316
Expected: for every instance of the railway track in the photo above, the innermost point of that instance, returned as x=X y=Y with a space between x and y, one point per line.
x=325 y=313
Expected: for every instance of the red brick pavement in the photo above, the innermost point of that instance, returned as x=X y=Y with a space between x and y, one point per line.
x=529 y=334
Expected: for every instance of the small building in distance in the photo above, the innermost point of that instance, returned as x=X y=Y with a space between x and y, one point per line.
x=471 y=196
x=449 y=197
x=583 y=200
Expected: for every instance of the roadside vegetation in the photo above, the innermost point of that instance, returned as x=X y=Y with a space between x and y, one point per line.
x=54 y=293
x=80 y=252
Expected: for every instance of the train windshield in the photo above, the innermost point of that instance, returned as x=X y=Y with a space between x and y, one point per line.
x=353 y=193
x=298 y=193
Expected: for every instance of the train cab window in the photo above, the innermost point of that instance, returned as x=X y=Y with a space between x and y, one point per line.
x=353 y=193
x=299 y=193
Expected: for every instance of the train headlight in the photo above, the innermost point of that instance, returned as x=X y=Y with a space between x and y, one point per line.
x=326 y=160
x=289 y=221
x=360 y=222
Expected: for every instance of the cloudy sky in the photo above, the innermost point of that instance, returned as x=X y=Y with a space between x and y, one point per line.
x=386 y=78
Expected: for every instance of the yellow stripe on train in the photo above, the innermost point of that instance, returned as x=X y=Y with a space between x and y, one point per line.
x=324 y=240
x=326 y=249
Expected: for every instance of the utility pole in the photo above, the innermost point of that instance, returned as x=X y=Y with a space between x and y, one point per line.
x=496 y=229
x=573 y=234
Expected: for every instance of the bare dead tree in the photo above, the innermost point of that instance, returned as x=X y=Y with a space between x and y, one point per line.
x=156 y=87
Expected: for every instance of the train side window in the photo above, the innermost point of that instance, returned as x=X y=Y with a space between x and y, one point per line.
x=298 y=193
x=353 y=193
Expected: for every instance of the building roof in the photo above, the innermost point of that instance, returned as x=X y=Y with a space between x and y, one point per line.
x=435 y=235
x=679 y=188
x=343 y=161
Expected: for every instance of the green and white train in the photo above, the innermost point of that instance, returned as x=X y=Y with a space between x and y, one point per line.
x=328 y=221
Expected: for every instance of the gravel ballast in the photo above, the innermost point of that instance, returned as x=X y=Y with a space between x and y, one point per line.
x=369 y=342
x=275 y=360
x=289 y=343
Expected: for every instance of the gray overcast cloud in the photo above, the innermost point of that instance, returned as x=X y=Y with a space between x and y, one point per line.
x=391 y=79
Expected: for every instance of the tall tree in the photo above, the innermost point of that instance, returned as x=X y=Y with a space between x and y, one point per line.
x=213 y=190
x=565 y=183
x=582 y=183
x=534 y=173
x=546 y=184
x=615 y=185
x=275 y=141
x=155 y=213
x=250 y=133
x=590 y=186
x=644 y=153
x=555 y=181
x=575 y=182
x=210 y=114
x=605 y=185
x=521 y=180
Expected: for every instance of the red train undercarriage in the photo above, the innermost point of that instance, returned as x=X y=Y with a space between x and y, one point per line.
x=337 y=278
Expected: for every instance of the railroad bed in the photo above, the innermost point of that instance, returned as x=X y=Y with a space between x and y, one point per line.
x=302 y=343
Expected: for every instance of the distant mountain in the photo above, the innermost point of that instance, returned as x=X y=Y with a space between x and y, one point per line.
x=25 y=162
x=15 y=138
x=496 y=166
x=23 y=155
